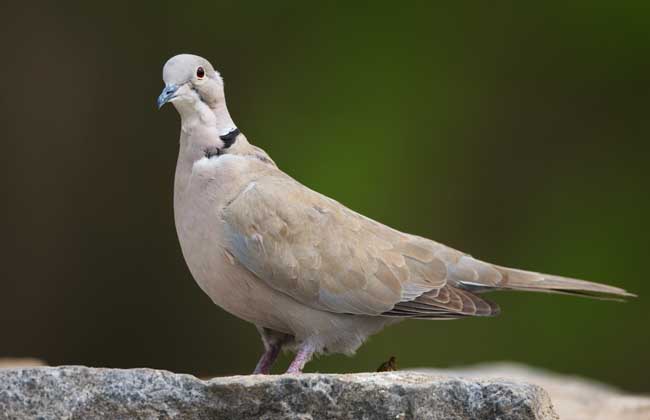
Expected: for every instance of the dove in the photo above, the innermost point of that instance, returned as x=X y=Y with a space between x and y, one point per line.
x=313 y=276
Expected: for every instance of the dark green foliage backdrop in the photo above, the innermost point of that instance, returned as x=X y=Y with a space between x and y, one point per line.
x=515 y=132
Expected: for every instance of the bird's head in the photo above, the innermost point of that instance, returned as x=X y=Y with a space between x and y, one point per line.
x=189 y=81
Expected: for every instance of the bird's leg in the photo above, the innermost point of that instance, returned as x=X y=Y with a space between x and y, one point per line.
x=273 y=342
x=268 y=358
x=303 y=356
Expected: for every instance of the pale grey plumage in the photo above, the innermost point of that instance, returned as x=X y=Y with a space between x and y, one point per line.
x=310 y=273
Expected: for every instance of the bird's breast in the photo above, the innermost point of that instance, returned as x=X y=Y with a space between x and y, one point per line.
x=200 y=193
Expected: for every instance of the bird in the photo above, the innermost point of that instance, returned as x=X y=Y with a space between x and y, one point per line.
x=312 y=275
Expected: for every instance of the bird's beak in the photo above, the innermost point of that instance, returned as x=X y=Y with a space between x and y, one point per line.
x=167 y=95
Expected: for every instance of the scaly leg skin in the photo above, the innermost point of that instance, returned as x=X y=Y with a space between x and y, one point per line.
x=303 y=356
x=273 y=343
x=268 y=358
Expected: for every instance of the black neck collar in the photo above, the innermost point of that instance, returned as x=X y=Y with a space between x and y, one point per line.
x=229 y=139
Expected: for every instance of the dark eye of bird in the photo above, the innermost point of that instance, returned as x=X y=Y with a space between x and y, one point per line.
x=200 y=73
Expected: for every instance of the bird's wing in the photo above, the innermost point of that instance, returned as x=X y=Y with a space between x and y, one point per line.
x=326 y=256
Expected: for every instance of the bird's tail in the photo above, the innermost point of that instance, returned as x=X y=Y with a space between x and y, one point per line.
x=515 y=279
x=485 y=277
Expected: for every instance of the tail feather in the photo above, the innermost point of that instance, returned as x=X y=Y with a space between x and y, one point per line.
x=536 y=282
x=478 y=276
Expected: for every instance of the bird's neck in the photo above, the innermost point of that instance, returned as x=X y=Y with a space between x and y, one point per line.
x=199 y=117
x=222 y=120
x=203 y=130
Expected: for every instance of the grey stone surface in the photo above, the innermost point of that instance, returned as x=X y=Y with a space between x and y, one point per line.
x=76 y=392
x=574 y=398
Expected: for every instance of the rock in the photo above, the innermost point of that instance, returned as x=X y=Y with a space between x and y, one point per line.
x=573 y=398
x=87 y=393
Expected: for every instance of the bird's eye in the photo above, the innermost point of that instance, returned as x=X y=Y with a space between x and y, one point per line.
x=200 y=73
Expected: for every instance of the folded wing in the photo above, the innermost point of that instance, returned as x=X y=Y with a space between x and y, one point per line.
x=326 y=256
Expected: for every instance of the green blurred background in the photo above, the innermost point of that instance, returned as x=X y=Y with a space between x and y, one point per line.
x=515 y=132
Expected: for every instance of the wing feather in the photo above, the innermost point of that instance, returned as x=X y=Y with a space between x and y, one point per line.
x=326 y=256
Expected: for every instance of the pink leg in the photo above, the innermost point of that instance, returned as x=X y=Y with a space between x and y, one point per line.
x=266 y=361
x=302 y=357
x=273 y=343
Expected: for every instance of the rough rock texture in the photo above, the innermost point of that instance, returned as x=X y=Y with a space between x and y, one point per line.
x=75 y=392
x=573 y=398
